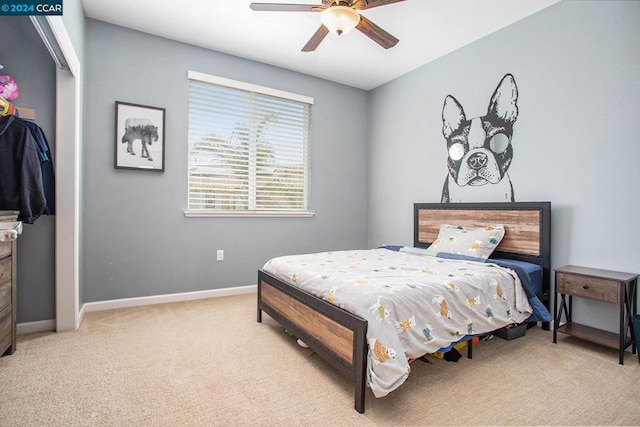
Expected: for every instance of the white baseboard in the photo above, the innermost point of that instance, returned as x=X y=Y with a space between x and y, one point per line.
x=164 y=299
x=33 y=327
x=50 y=325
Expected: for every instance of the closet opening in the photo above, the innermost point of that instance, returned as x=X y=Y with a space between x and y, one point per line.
x=56 y=39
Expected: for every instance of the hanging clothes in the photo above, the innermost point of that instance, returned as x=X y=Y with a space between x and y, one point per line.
x=21 y=185
x=46 y=164
x=7 y=108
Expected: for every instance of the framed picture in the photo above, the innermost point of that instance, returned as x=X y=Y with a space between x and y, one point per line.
x=139 y=140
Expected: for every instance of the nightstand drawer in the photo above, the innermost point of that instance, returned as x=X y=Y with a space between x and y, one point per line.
x=588 y=287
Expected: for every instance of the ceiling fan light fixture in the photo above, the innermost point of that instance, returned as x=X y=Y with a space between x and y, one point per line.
x=340 y=19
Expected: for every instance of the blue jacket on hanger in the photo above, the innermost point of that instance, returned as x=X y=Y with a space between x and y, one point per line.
x=21 y=186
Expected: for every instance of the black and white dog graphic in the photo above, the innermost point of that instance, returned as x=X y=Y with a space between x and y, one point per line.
x=142 y=129
x=480 y=150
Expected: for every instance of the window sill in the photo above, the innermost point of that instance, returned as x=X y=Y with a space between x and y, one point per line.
x=246 y=214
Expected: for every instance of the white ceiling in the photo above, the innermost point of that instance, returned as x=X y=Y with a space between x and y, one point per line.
x=427 y=29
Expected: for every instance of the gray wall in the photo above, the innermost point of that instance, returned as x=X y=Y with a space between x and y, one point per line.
x=26 y=59
x=575 y=141
x=135 y=238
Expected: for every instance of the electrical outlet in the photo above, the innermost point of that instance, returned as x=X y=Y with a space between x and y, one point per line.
x=220 y=255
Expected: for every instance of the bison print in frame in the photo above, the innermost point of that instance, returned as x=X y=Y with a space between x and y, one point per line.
x=139 y=137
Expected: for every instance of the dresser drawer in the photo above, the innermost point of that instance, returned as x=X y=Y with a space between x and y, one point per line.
x=5 y=270
x=588 y=287
x=5 y=282
x=5 y=294
x=5 y=343
x=5 y=322
x=5 y=249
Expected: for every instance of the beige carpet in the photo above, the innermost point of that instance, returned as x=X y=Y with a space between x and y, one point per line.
x=209 y=362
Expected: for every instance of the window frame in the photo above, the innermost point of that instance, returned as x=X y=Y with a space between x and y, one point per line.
x=262 y=90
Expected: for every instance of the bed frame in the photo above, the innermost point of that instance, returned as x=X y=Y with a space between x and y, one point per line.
x=339 y=337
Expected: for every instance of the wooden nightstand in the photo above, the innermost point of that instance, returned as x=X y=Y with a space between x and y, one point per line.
x=600 y=285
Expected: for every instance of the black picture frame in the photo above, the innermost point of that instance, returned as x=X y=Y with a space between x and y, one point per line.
x=139 y=137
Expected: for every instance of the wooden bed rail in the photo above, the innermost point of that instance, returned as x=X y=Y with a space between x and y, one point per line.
x=338 y=336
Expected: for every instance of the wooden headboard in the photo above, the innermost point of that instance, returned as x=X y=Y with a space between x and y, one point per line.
x=527 y=229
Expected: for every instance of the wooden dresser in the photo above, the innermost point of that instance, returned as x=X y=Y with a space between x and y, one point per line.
x=8 y=290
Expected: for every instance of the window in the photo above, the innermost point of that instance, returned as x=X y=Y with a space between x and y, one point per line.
x=248 y=149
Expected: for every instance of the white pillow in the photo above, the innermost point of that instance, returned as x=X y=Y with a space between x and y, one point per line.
x=479 y=242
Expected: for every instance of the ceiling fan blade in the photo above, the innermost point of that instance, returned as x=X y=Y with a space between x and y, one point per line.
x=281 y=7
x=316 y=39
x=376 y=33
x=375 y=3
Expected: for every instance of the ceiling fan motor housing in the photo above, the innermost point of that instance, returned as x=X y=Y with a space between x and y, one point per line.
x=340 y=19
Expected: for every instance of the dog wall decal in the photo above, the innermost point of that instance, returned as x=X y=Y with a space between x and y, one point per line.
x=480 y=150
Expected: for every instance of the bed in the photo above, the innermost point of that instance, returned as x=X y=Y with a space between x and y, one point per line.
x=342 y=338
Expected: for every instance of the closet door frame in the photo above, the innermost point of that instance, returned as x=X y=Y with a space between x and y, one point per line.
x=67 y=165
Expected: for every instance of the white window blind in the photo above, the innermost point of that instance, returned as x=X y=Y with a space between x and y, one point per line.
x=248 y=148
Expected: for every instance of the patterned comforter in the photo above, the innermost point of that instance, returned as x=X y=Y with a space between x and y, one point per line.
x=414 y=304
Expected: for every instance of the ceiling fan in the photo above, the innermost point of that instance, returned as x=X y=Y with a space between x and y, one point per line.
x=338 y=17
